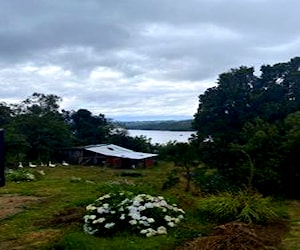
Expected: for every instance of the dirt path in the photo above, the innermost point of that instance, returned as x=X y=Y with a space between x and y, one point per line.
x=13 y=204
x=292 y=240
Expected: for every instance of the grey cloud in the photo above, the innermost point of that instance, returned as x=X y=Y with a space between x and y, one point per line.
x=184 y=43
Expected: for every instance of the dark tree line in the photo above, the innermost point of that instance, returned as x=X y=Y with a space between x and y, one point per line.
x=36 y=130
x=248 y=127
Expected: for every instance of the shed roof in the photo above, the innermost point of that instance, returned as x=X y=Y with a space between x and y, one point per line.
x=117 y=151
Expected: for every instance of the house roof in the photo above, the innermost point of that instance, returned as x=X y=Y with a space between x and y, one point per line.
x=117 y=151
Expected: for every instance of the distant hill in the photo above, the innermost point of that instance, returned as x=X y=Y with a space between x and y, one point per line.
x=184 y=125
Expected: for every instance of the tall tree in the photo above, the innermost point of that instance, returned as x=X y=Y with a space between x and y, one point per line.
x=5 y=114
x=248 y=113
x=88 y=128
x=39 y=121
x=223 y=109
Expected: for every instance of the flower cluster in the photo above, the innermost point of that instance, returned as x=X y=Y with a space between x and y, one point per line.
x=144 y=214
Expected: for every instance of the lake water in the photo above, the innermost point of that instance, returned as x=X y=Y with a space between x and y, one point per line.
x=162 y=137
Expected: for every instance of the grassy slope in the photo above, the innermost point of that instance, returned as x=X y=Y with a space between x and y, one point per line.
x=292 y=239
x=40 y=225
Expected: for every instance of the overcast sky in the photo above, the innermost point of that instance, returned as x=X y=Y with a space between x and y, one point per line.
x=137 y=59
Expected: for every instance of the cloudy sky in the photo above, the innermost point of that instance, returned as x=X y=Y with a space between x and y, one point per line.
x=137 y=59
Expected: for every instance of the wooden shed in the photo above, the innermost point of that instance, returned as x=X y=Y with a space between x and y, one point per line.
x=110 y=155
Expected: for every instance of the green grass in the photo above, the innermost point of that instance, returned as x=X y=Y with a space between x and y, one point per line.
x=55 y=220
x=292 y=239
x=41 y=224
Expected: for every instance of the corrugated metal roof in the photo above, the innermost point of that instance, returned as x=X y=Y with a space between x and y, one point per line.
x=117 y=151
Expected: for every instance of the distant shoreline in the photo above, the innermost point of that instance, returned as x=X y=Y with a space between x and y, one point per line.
x=183 y=125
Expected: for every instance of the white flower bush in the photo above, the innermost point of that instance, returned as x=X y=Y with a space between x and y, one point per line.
x=144 y=214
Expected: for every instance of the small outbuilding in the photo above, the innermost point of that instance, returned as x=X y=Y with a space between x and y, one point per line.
x=109 y=155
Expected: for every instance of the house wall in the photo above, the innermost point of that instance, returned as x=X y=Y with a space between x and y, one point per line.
x=149 y=162
x=114 y=162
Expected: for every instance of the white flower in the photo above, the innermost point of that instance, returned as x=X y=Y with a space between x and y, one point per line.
x=180 y=216
x=144 y=231
x=122 y=217
x=171 y=224
x=30 y=176
x=92 y=217
x=160 y=197
x=125 y=201
x=86 y=218
x=135 y=215
x=138 y=198
x=136 y=203
x=132 y=209
x=168 y=218
x=156 y=204
x=141 y=208
x=89 y=230
x=143 y=218
x=100 y=220
x=101 y=210
x=150 y=198
x=150 y=220
x=142 y=222
x=112 y=212
x=161 y=230
x=149 y=205
x=181 y=210
x=91 y=207
x=105 y=205
x=132 y=222
x=176 y=220
x=104 y=197
x=163 y=203
x=150 y=234
x=109 y=225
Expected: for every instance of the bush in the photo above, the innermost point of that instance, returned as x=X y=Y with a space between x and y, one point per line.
x=143 y=214
x=212 y=183
x=172 y=180
x=20 y=175
x=244 y=207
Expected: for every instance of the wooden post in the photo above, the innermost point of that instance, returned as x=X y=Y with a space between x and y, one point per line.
x=2 y=175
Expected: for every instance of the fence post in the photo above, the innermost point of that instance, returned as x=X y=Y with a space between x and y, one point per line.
x=2 y=174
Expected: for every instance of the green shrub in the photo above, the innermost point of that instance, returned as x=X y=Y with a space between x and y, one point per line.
x=244 y=207
x=211 y=182
x=172 y=180
x=20 y=174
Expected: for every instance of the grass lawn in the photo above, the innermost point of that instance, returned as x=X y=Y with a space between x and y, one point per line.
x=51 y=215
x=48 y=213
x=292 y=239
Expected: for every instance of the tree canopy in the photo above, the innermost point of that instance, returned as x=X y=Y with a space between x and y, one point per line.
x=253 y=117
x=36 y=129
